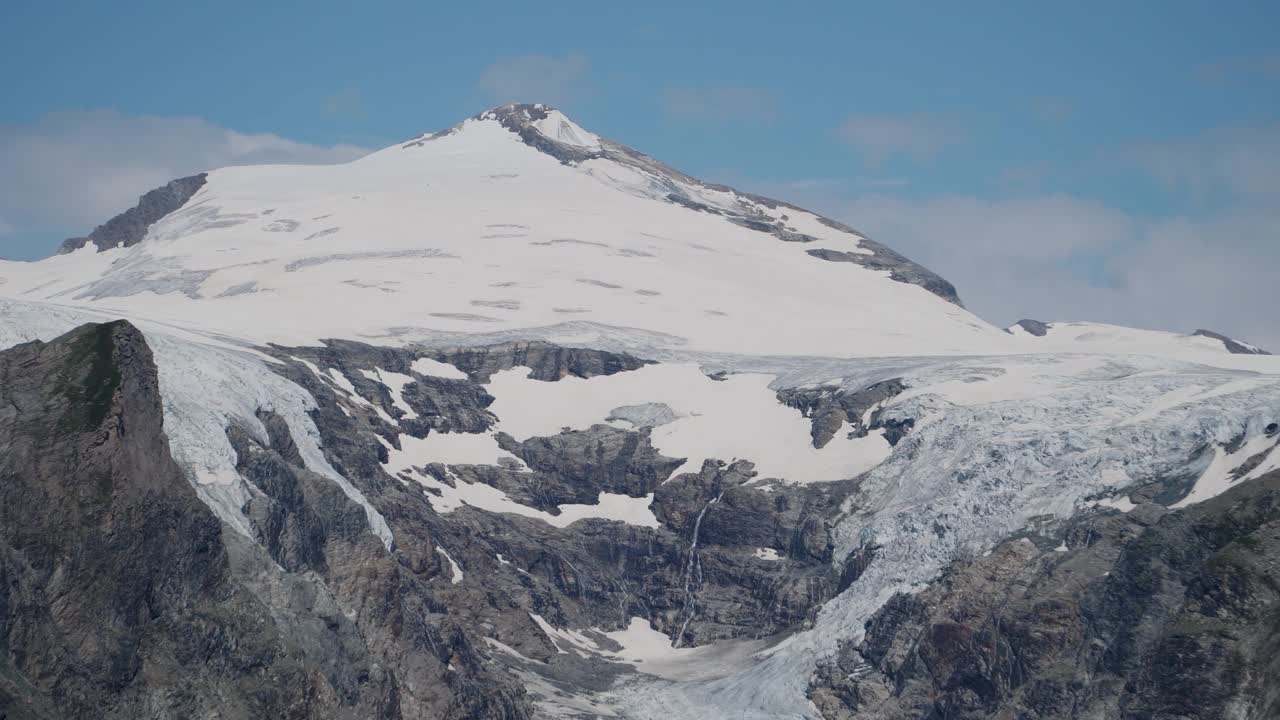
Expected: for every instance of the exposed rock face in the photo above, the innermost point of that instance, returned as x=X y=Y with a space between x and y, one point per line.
x=547 y=362
x=444 y=404
x=829 y=408
x=113 y=575
x=1035 y=327
x=1150 y=614
x=897 y=265
x=129 y=227
x=576 y=466
x=727 y=560
x=1233 y=347
x=629 y=571
x=121 y=595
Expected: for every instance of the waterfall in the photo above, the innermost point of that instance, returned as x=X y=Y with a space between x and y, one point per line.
x=693 y=565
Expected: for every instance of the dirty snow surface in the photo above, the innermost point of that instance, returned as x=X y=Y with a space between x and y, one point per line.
x=472 y=237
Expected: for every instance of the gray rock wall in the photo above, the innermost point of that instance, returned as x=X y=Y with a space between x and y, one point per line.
x=1146 y=615
x=129 y=227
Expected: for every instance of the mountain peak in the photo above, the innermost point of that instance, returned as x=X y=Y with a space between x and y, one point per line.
x=544 y=120
x=551 y=132
x=539 y=126
x=514 y=220
x=519 y=113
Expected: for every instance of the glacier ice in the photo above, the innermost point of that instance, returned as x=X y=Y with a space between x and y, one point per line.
x=206 y=386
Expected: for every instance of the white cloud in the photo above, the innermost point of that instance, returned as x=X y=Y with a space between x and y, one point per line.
x=1243 y=162
x=880 y=137
x=719 y=104
x=67 y=172
x=1218 y=273
x=1058 y=257
x=1041 y=228
x=1061 y=258
x=536 y=78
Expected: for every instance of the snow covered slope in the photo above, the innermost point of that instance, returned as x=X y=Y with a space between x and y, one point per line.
x=507 y=222
x=515 y=219
x=1089 y=337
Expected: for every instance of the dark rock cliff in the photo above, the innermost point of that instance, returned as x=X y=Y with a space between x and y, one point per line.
x=1232 y=346
x=1147 y=615
x=117 y=596
x=129 y=227
x=594 y=572
x=122 y=596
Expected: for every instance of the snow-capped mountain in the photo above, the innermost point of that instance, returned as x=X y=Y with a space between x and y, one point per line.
x=517 y=218
x=511 y=420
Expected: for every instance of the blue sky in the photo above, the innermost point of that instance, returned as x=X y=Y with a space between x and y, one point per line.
x=1052 y=159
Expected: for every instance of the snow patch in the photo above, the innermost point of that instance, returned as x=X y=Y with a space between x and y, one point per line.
x=482 y=449
x=1123 y=504
x=738 y=417
x=562 y=639
x=450 y=448
x=1222 y=473
x=435 y=368
x=454 y=567
x=560 y=128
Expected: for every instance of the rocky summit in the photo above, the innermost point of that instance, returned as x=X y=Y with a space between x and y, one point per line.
x=510 y=420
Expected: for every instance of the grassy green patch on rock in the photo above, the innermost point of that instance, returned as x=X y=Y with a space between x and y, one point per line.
x=92 y=379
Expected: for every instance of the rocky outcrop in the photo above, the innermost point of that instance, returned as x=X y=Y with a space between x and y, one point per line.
x=1149 y=614
x=117 y=591
x=573 y=467
x=443 y=404
x=122 y=596
x=1233 y=347
x=829 y=408
x=1033 y=327
x=898 y=267
x=886 y=259
x=758 y=565
x=129 y=227
x=547 y=362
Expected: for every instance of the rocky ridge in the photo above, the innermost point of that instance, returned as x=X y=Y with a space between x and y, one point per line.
x=1144 y=614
